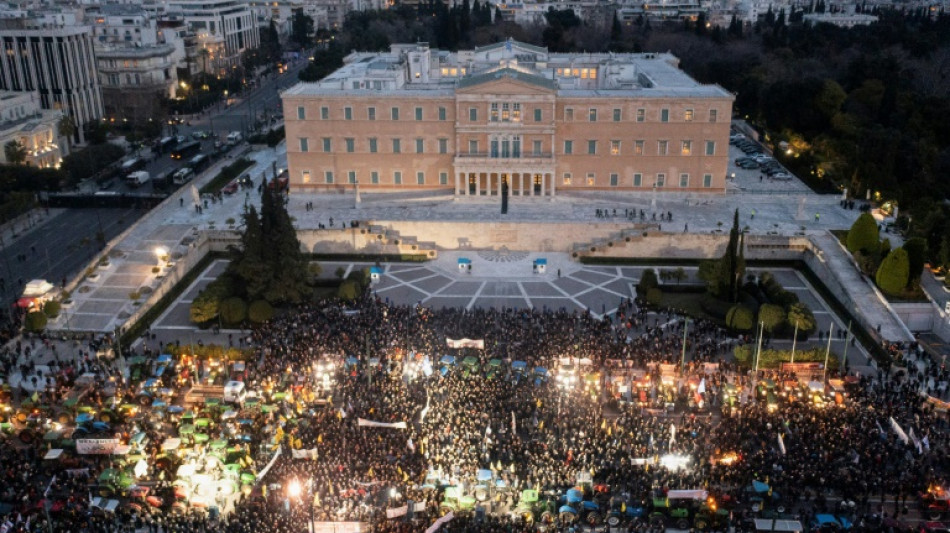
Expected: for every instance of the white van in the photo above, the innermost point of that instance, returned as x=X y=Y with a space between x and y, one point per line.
x=234 y=137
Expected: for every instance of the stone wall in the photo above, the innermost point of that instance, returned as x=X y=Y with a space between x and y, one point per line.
x=917 y=316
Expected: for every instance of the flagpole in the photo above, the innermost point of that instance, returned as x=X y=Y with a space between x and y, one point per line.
x=844 y=358
x=683 y=360
x=794 y=339
x=827 y=351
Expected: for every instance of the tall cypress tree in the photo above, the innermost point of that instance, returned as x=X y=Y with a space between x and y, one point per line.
x=247 y=263
x=286 y=260
x=733 y=263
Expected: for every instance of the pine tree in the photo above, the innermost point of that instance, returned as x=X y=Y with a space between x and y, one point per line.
x=247 y=263
x=733 y=263
x=288 y=264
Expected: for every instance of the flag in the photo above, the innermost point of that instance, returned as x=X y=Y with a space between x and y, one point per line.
x=514 y=426
x=672 y=433
x=702 y=386
x=603 y=425
x=781 y=443
x=926 y=442
x=320 y=439
x=410 y=445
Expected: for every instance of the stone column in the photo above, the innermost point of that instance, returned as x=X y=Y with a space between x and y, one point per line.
x=553 y=186
x=456 y=195
x=478 y=184
x=521 y=184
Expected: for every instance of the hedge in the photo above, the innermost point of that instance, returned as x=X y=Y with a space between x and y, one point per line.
x=772 y=359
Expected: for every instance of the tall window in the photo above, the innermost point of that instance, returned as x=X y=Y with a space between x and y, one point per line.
x=418 y=113
x=350 y=145
x=592 y=147
x=536 y=145
x=473 y=114
x=394 y=113
x=516 y=112
x=351 y=176
x=304 y=144
x=420 y=178
x=566 y=179
x=324 y=113
x=638 y=148
x=688 y=115
x=328 y=176
x=710 y=147
x=443 y=178
x=493 y=116
x=327 y=145
x=614 y=147
x=537 y=114
x=397 y=177
x=614 y=180
x=591 y=179
x=684 y=180
x=660 y=180
x=713 y=115
x=568 y=147
x=638 y=180
x=443 y=146
x=641 y=115
x=372 y=145
x=420 y=144
x=707 y=180
x=441 y=113
x=617 y=114
x=301 y=112
x=662 y=147
x=592 y=115
x=472 y=146
x=686 y=148
x=305 y=176
x=374 y=177
x=347 y=113
x=397 y=146
x=371 y=113
x=569 y=114
x=664 y=115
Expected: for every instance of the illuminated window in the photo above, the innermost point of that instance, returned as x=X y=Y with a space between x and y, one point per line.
x=662 y=147
x=305 y=176
x=614 y=147
x=688 y=116
x=687 y=148
x=638 y=148
x=567 y=178
x=494 y=112
x=591 y=179
x=516 y=112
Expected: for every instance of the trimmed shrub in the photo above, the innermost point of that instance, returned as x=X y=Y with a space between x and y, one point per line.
x=740 y=318
x=349 y=290
x=52 y=308
x=771 y=316
x=654 y=296
x=714 y=307
x=799 y=313
x=863 y=235
x=260 y=311
x=35 y=321
x=233 y=310
x=894 y=272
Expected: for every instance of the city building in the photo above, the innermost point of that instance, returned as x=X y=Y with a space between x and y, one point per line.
x=224 y=29
x=843 y=20
x=507 y=114
x=57 y=62
x=37 y=130
x=136 y=80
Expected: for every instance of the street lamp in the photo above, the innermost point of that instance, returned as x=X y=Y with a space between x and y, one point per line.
x=294 y=491
x=160 y=253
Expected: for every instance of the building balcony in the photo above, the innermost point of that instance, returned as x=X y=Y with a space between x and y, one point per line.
x=495 y=160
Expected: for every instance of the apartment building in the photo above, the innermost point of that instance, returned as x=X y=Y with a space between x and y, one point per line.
x=507 y=115
x=223 y=28
x=57 y=62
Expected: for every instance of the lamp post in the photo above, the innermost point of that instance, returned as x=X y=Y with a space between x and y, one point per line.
x=160 y=253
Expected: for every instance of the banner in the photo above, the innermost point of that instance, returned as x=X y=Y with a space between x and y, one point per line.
x=900 y=432
x=96 y=446
x=802 y=368
x=465 y=343
x=396 y=512
x=263 y=472
x=438 y=523
x=304 y=454
x=362 y=422
x=339 y=527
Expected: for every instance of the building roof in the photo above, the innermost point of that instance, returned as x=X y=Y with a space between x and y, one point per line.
x=510 y=73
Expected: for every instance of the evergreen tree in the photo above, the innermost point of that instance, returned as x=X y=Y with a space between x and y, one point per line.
x=247 y=263
x=616 y=29
x=733 y=263
x=283 y=255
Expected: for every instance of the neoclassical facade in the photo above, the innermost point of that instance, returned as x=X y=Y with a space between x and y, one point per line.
x=507 y=115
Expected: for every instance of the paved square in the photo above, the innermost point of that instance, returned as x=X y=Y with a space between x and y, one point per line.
x=593 y=278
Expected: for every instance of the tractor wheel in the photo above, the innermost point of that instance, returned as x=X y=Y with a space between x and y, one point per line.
x=21 y=417
x=701 y=524
x=613 y=521
x=144 y=401
x=933 y=515
x=657 y=520
x=682 y=523
x=593 y=518
x=547 y=517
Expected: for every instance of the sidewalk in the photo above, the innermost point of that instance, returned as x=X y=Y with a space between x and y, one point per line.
x=25 y=224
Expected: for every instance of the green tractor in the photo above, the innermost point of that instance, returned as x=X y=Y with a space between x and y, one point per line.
x=531 y=509
x=470 y=366
x=453 y=501
x=688 y=508
x=115 y=481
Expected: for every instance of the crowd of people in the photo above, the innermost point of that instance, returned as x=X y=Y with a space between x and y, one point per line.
x=535 y=432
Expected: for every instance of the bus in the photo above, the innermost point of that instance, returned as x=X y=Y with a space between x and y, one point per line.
x=186 y=149
x=198 y=163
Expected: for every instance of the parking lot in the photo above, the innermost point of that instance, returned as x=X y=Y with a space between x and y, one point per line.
x=754 y=179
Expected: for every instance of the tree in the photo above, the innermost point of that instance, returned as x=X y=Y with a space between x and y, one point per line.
x=301 y=28
x=14 y=152
x=916 y=249
x=894 y=272
x=260 y=311
x=647 y=281
x=66 y=128
x=771 y=316
x=283 y=255
x=732 y=264
x=863 y=235
x=739 y=318
x=52 y=308
x=233 y=310
x=247 y=262
x=349 y=290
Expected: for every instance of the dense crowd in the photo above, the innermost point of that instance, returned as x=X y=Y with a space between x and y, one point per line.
x=533 y=433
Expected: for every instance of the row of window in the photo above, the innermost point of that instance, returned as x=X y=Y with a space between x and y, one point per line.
x=511 y=112
x=637 y=180
x=511 y=147
x=351 y=177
